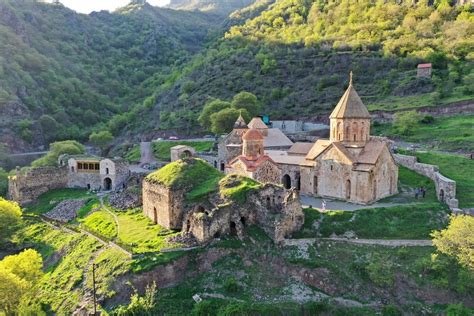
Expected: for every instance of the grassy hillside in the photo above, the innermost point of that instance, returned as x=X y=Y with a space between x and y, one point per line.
x=296 y=56
x=63 y=74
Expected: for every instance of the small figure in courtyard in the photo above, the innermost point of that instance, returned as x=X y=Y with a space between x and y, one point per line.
x=423 y=192
x=417 y=192
x=323 y=205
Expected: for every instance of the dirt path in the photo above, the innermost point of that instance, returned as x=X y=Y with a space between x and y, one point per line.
x=88 y=294
x=377 y=242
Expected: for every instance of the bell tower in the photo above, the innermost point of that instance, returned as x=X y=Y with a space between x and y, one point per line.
x=252 y=147
x=350 y=119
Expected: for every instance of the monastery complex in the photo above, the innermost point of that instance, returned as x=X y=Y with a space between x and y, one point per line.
x=350 y=165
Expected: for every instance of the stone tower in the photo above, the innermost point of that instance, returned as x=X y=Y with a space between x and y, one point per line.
x=350 y=120
x=252 y=147
x=240 y=123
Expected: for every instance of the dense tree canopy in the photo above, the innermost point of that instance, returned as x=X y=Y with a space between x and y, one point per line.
x=18 y=274
x=223 y=121
x=457 y=240
x=10 y=220
x=56 y=149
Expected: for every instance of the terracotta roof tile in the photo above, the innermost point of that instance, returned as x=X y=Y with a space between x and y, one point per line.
x=252 y=134
x=257 y=122
x=251 y=165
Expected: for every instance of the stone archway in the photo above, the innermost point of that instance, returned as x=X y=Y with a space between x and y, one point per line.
x=348 y=189
x=107 y=184
x=298 y=181
x=286 y=181
x=441 y=195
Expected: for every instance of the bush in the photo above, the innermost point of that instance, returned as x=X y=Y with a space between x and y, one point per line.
x=380 y=272
x=391 y=311
x=428 y=119
x=231 y=285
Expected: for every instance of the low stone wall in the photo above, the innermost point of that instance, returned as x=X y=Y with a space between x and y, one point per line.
x=445 y=187
x=26 y=188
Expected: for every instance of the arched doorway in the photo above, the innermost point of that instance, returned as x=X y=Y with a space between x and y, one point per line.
x=107 y=184
x=298 y=181
x=155 y=216
x=233 y=229
x=348 y=189
x=186 y=154
x=441 y=195
x=286 y=181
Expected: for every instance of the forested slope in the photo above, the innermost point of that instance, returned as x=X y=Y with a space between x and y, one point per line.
x=63 y=74
x=295 y=55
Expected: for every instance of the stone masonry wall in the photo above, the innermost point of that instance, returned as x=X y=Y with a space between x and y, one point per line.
x=445 y=187
x=26 y=188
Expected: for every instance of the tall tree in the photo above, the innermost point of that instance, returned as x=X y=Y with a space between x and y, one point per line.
x=10 y=220
x=457 y=240
x=248 y=101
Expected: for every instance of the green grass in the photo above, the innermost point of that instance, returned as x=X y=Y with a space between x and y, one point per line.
x=394 y=103
x=236 y=187
x=49 y=200
x=161 y=149
x=88 y=207
x=195 y=176
x=142 y=234
x=445 y=133
x=415 y=221
x=65 y=256
x=133 y=155
x=101 y=223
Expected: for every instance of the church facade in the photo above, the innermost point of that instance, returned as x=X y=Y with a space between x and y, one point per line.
x=351 y=165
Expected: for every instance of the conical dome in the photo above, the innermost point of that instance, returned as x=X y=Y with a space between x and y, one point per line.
x=350 y=105
x=240 y=123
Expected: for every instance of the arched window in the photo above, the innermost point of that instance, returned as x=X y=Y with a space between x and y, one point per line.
x=347 y=136
x=339 y=131
x=355 y=130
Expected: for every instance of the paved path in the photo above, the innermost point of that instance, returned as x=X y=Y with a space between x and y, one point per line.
x=334 y=205
x=33 y=153
x=377 y=242
x=146 y=153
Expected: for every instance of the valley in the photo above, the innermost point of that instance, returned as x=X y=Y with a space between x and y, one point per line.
x=237 y=157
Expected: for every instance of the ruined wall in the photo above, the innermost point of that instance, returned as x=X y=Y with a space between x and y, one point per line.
x=445 y=187
x=26 y=188
x=162 y=205
x=267 y=172
x=277 y=211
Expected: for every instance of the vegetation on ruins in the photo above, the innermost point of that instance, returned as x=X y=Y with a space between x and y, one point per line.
x=236 y=187
x=194 y=175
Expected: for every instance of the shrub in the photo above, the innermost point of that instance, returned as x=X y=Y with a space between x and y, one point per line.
x=231 y=285
x=427 y=119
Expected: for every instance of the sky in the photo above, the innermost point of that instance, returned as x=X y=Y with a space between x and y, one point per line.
x=87 y=6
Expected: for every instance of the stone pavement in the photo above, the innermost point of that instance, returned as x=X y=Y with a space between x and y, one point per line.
x=335 y=205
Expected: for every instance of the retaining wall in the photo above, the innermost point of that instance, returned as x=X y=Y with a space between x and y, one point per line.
x=445 y=187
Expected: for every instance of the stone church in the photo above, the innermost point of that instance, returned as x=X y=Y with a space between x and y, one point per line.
x=351 y=165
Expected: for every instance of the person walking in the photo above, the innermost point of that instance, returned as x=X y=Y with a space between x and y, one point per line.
x=323 y=205
x=423 y=192
x=417 y=192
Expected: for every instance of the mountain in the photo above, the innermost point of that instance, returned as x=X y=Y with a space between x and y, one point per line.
x=222 y=7
x=64 y=74
x=296 y=55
